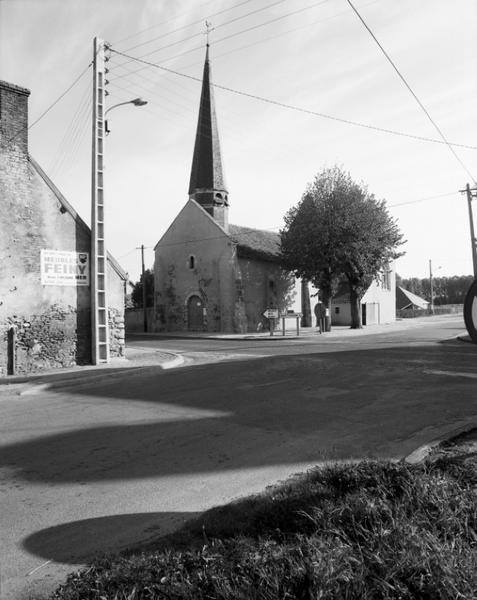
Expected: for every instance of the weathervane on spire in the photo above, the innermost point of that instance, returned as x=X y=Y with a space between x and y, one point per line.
x=208 y=29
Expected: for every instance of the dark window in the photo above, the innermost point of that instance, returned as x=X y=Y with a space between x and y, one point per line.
x=337 y=310
x=191 y=261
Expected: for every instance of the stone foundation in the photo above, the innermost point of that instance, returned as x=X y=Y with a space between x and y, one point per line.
x=53 y=339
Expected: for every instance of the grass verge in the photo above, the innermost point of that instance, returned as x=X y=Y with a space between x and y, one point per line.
x=371 y=530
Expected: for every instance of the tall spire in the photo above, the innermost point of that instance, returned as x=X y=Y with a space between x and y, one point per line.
x=207 y=182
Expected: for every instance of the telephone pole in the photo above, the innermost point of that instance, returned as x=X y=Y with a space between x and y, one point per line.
x=99 y=297
x=144 y=307
x=471 y=193
x=431 y=305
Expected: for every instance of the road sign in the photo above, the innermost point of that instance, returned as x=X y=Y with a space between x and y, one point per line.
x=271 y=313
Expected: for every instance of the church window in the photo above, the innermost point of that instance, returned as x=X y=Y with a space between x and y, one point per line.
x=191 y=261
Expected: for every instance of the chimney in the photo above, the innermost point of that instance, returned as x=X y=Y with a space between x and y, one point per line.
x=13 y=120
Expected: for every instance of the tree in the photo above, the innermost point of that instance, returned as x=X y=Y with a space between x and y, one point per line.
x=339 y=231
x=136 y=295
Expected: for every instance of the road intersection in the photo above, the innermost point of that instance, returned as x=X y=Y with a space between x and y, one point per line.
x=98 y=459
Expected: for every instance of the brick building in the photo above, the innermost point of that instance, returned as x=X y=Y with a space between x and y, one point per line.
x=44 y=268
x=209 y=275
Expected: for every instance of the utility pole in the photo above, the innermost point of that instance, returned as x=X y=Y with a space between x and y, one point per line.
x=431 y=306
x=144 y=307
x=99 y=297
x=471 y=194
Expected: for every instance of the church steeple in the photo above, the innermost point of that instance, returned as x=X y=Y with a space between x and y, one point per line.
x=207 y=182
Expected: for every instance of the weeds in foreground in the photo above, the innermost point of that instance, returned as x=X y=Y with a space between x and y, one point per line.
x=370 y=531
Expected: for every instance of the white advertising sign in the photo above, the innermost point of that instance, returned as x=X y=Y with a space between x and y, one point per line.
x=60 y=267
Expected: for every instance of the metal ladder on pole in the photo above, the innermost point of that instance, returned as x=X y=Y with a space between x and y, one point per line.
x=99 y=299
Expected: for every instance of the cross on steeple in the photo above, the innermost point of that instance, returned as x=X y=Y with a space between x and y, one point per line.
x=208 y=29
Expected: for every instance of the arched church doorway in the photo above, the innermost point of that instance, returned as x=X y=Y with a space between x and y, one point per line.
x=195 y=314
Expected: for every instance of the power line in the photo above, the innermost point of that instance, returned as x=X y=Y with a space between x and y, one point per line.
x=402 y=78
x=300 y=10
x=281 y=34
x=297 y=108
x=238 y=18
x=422 y=199
x=71 y=131
x=51 y=105
x=176 y=17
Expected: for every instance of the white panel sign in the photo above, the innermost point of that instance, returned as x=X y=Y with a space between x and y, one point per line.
x=60 y=267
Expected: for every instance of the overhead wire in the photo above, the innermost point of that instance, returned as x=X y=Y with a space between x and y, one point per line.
x=297 y=108
x=71 y=130
x=422 y=199
x=252 y=28
x=201 y=33
x=278 y=35
x=117 y=42
x=414 y=95
x=54 y=103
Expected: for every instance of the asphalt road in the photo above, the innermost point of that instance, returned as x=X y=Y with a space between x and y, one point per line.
x=100 y=464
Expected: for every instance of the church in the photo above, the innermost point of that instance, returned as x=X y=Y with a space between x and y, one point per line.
x=209 y=275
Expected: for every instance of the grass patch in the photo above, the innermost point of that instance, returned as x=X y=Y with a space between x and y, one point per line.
x=372 y=530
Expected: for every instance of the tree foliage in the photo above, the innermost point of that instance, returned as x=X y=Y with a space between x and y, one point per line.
x=339 y=231
x=136 y=295
x=446 y=290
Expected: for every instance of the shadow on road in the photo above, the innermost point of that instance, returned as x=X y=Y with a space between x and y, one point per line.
x=240 y=415
x=61 y=543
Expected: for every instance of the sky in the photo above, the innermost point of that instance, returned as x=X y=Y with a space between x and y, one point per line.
x=309 y=54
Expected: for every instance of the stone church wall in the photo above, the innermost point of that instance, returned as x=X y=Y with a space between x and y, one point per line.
x=265 y=285
x=194 y=258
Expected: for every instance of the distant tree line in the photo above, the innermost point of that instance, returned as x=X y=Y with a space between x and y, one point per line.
x=447 y=290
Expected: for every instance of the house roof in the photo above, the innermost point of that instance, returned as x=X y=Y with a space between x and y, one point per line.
x=406 y=299
x=69 y=209
x=256 y=243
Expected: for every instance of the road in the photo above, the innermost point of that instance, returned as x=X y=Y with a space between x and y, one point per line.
x=104 y=463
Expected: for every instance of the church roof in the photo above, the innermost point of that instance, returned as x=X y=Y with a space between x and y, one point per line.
x=207 y=172
x=256 y=243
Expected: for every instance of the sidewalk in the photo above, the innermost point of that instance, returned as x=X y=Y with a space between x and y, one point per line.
x=306 y=332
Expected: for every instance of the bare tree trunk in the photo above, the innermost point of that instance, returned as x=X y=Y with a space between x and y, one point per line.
x=305 y=304
x=355 y=309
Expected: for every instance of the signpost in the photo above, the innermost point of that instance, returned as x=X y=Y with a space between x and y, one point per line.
x=272 y=313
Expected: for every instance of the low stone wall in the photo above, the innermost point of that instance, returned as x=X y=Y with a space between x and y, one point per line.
x=135 y=319
x=47 y=340
x=57 y=338
x=116 y=333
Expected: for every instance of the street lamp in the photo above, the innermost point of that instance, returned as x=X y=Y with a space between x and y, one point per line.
x=135 y=102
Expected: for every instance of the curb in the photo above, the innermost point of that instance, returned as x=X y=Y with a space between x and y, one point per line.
x=177 y=361
x=59 y=381
x=420 y=454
